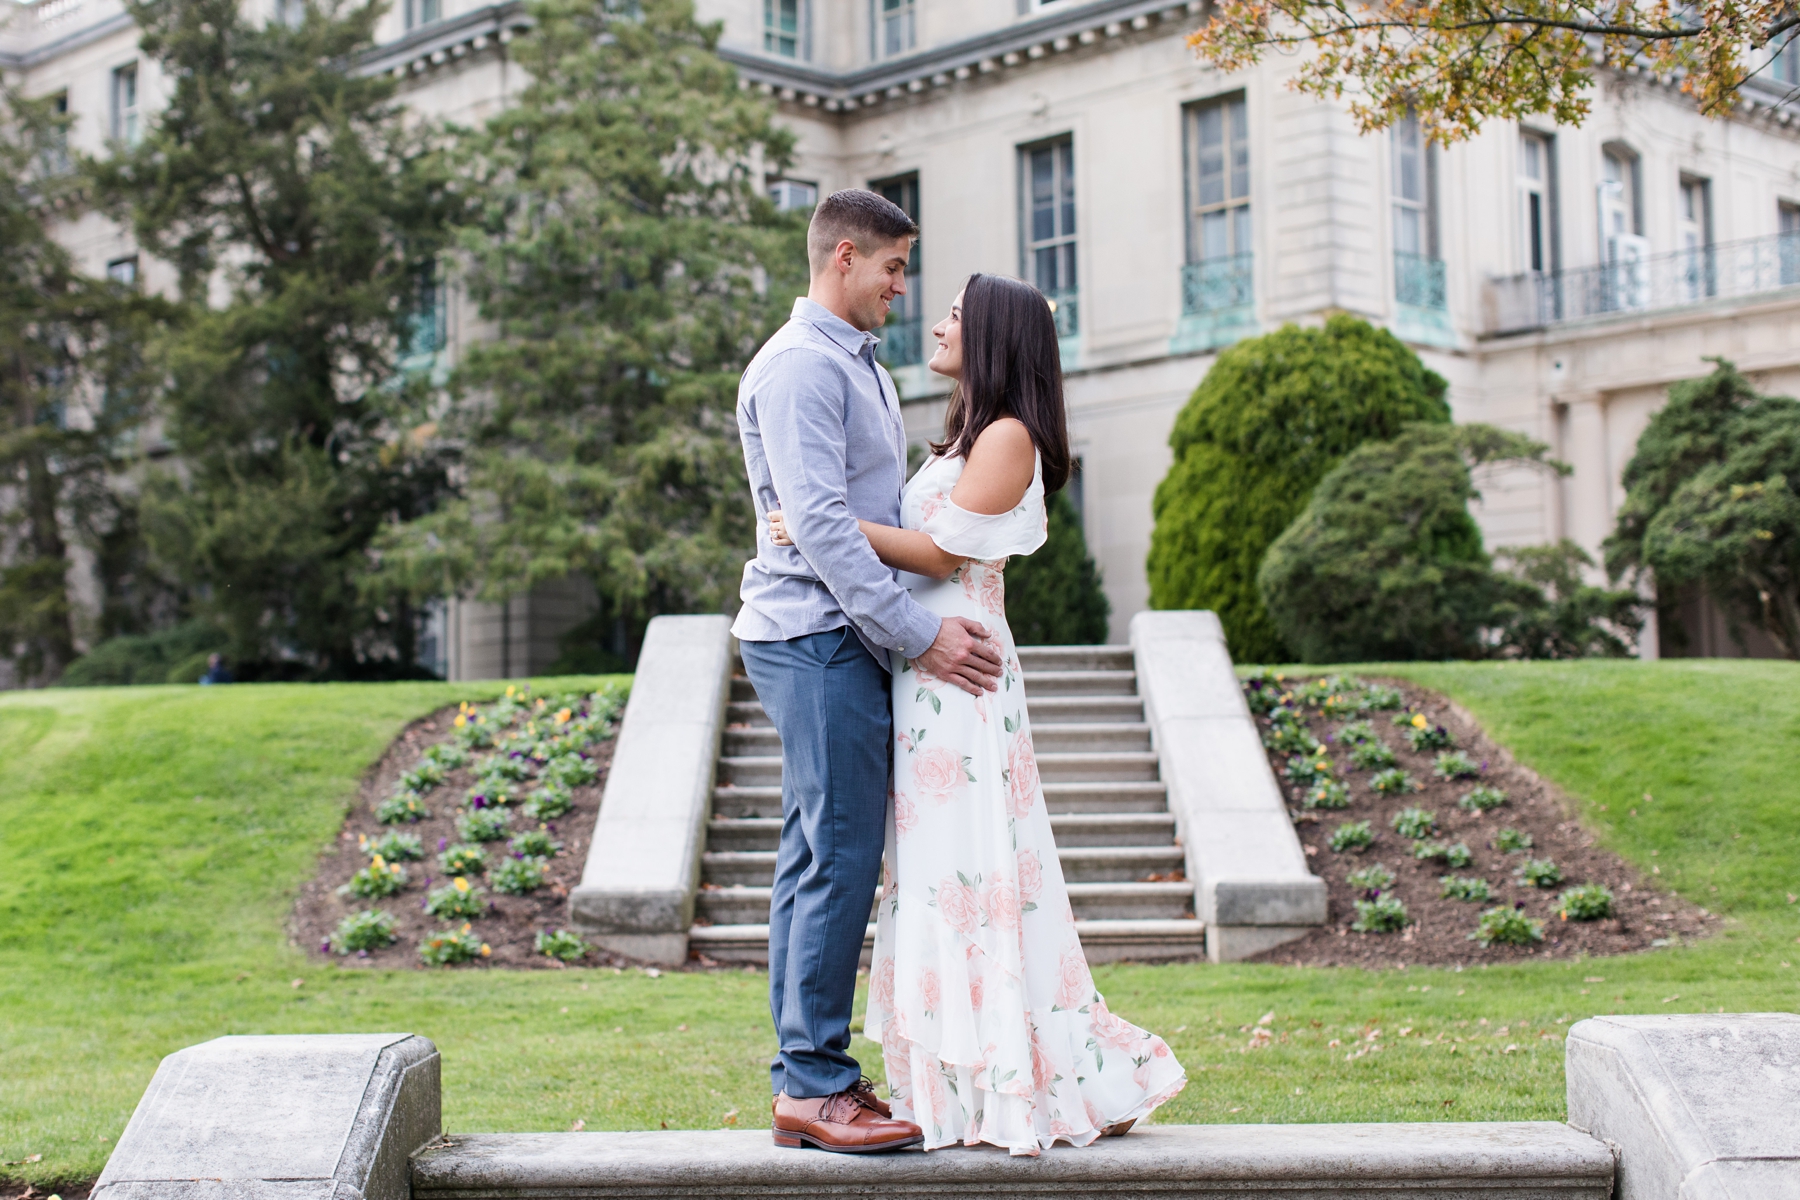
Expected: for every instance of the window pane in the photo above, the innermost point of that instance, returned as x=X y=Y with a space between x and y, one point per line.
x=1046 y=270
x=1240 y=151
x=1240 y=229
x=1407 y=233
x=1215 y=235
x=1067 y=156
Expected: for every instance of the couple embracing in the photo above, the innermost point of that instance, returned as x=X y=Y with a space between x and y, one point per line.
x=874 y=628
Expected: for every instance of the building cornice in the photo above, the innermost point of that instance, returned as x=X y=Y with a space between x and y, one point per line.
x=73 y=40
x=987 y=54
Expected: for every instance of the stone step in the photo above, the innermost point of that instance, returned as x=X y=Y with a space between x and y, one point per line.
x=1071 y=830
x=1140 y=796
x=1081 y=683
x=1044 y=710
x=764 y=770
x=1050 y=710
x=1511 y=1160
x=1080 y=864
x=1101 y=941
x=749 y=904
x=1084 y=737
x=1075 y=658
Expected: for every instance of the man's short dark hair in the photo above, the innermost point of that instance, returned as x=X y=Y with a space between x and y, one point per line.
x=860 y=216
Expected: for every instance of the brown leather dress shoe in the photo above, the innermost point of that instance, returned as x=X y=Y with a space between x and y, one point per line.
x=846 y=1123
x=865 y=1087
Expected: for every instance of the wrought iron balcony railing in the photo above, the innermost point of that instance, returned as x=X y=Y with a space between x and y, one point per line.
x=1215 y=283
x=902 y=342
x=1537 y=299
x=1419 y=281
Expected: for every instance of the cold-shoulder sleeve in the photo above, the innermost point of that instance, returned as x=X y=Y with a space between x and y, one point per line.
x=987 y=537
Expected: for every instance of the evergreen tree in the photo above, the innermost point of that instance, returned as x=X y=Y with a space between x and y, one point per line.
x=1712 y=499
x=1271 y=418
x=1386 y=563
x=296 y=194
x=70 y=395
x=629 y=266
x=1053 y=597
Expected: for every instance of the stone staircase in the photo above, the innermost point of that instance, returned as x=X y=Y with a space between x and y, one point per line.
x=1108 y=807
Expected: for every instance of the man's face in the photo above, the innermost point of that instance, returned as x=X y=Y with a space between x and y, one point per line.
x=874 y=280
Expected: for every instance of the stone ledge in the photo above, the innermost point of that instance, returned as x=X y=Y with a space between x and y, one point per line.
x=636 y=895
x=1535 y=1160
x=1701 y=1106
x=326 y=1116
x=1252 y=887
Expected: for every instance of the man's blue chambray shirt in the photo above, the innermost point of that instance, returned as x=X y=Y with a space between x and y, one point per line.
x=824 y=443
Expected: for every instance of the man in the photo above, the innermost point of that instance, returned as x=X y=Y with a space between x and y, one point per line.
x=823 y=442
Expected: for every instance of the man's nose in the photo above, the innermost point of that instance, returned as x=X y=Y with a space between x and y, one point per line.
x=900 y=284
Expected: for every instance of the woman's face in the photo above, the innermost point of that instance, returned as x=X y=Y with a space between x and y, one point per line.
x=947 y=361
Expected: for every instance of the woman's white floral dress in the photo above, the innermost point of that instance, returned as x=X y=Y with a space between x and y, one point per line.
x=989 y=1022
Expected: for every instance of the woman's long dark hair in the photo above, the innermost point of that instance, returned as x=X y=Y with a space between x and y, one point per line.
x=1011 y=368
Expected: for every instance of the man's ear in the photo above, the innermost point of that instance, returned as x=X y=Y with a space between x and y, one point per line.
x=843 y=256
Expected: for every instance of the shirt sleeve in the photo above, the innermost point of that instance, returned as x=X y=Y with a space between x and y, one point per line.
x=800 y=410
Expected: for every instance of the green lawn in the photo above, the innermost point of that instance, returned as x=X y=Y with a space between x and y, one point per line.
x=151 y=840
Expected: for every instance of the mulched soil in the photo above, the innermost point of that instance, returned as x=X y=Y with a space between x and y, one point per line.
x=13 y=1189
x=512 y=922
x=1644 y=916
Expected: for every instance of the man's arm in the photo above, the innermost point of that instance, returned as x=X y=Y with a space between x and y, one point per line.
x=800 y=409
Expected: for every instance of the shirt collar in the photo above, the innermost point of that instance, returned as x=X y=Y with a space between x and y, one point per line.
x=833 y=326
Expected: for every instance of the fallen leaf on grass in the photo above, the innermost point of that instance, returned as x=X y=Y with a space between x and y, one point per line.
x=578 y=1126
x=29 y=1158
x=1671 y=999
x=731 y=1117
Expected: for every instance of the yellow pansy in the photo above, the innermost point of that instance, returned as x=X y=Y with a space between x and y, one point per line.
x=1419 y=721
x=563 y=715
x=462 y=885
x=460 y=721
x=465 y=928
x=377 y=863
x=509 y=689
x=485 y=951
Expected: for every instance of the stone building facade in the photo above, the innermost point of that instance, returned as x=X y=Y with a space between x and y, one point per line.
x=1559 y=278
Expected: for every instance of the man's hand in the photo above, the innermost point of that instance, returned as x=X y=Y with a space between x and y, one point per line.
x=965 y=654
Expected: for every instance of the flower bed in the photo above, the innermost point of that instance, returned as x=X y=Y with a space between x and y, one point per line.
x=1435 y=846
x=466 y=838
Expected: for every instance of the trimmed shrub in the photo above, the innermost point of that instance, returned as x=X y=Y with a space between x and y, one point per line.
x=1272 y=417
x=1053 y=596
x=1385 y=562
x=1711 y=502
x=175 y=655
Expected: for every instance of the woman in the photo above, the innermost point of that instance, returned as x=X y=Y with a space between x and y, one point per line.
x=988 y=1019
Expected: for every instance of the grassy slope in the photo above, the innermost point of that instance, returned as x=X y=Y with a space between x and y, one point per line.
x=151 y=839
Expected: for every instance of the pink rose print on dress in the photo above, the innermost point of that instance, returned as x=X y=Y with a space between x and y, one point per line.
x=1159 y=1048
x=934 y=1095
x=1021 y=775
x=899 y=1066
x=956 y=901
x=881 y=986
x=1074 y=986
x=1113 y=1032
x=906 y=814
x=1141 y=1077
x=976 y=987
x=1043 y=1071
x=1002 y=904
x=933 y=504
x=1061 y=1128
x=938 y=772
x=928 y=990
x=1031 y=875
x=987 y=588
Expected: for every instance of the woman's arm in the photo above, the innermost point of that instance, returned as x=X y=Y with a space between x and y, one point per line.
x=910 y=550
x=903 y=549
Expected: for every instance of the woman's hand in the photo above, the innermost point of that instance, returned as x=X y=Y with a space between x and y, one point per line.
x=778 y=533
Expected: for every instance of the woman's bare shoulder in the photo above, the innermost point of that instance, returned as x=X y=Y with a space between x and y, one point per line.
x=1000 y=468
